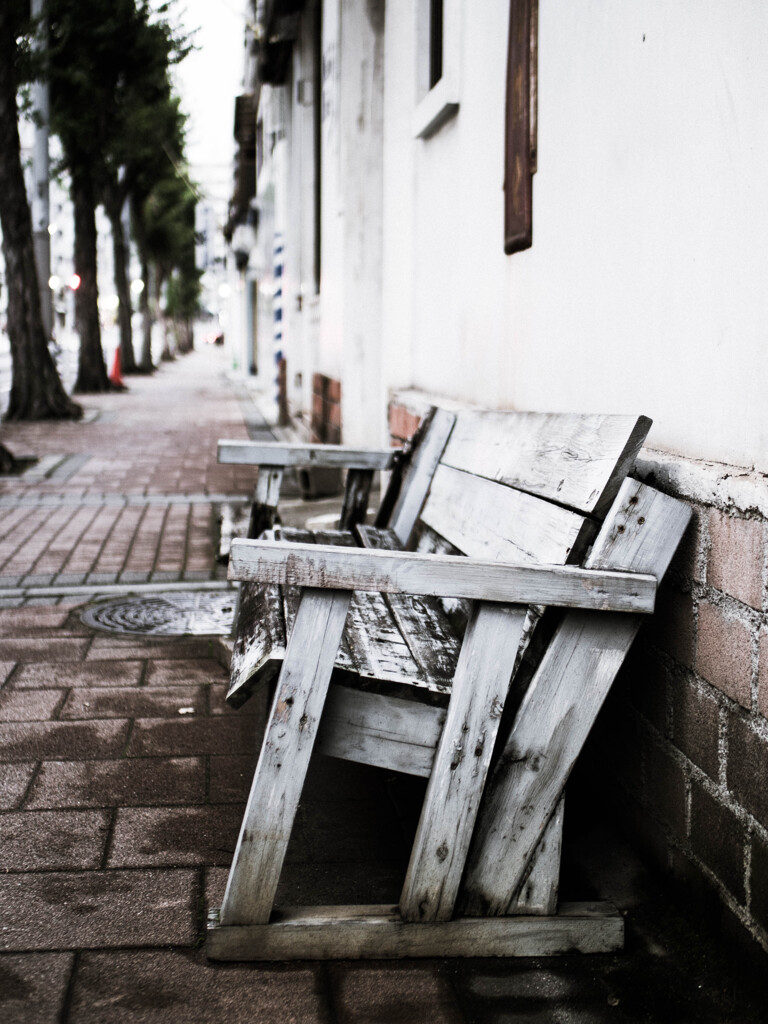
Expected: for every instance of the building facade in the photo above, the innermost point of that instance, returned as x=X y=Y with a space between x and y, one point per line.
x=553 y=206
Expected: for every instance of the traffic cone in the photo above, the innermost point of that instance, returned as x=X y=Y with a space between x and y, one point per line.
x=115 y=376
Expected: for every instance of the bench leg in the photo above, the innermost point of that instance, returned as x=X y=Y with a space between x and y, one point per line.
x=538 y=894
x=265 y=499
x=358 y=489
x=285 y=753
x=463 y=756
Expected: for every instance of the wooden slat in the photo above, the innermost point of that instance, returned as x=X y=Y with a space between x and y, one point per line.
x=325 y=456
x=440 y=576
x=380 y=730
x=568 y=689
x=259 y=646
x=418 y=474
x=575 y=460
x=422 y=621
x=377 y=932
x=265 y=499
x=538 y=893
x=285 y=753
x=461 y=763
x=355 y=506
x=484 y=519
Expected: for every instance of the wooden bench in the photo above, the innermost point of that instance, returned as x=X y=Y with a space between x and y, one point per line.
x=499 y=527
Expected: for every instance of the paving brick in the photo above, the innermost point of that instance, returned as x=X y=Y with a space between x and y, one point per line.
x=696 y=725
x=747 y=767
x=93 y=909
x=52 y=840
x=719 y=839
x=45 y=675
x=158 y=738
x=184 y=672
x=55 y=741
x=33 y=987
x=14 y=782
x=114 y=648
x=230 y=778
x=14 y=621
x=129 y=782
x=217 y=698
x=174 y=836
x=398 y=994
x=29 y=705
x=735 y=563
x=724 y=653
x=39 y=649
x=133 y=702
x=167 y=986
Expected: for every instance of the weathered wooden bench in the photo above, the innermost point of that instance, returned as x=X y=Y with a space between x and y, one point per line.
x=408 y=645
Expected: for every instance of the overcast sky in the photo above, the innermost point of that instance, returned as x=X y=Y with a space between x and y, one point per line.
x=209 y=80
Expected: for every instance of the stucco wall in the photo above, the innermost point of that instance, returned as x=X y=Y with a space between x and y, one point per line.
x=644 y=287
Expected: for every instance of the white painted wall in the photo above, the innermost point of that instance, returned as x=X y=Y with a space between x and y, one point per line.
x=644 y=289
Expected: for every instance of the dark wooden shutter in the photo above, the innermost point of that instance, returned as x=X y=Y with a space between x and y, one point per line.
x=520 y=143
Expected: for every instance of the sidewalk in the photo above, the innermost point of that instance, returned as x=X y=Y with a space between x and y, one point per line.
x=123 y=775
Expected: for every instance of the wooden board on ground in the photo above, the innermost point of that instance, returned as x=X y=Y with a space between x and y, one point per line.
x=378 y=932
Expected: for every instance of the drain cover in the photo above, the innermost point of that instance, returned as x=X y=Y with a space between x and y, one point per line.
x=169 y=614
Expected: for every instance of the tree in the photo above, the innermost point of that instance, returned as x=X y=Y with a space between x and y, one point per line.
x=36 y=390
x=168 y=231
x=151 y=127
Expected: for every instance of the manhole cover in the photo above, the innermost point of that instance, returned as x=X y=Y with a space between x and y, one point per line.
x=170 y=614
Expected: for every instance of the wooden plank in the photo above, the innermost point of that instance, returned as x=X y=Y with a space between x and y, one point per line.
x=380 y=730
x=377 y=932
x=461 y=763
x=417 y=476
x=265 y=500
x=259 y=646
x=440 y=576
x=285 y=753
x=641 y=532
x=538 y=893
x=326 y=456
x=578 y=461
x=355 y=506
x=484 y=519
x=423 y=622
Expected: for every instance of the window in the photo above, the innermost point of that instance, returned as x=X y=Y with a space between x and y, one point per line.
x=521 y=127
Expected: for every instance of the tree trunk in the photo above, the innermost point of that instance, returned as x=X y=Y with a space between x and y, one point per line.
x=92 y=371
x=36 y=390
x=146 y=365
x=114 y=207
x=166 y=355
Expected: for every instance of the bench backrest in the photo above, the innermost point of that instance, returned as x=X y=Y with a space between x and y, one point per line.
x=514 y=486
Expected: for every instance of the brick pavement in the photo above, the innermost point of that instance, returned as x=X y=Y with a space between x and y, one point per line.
x=123 y=778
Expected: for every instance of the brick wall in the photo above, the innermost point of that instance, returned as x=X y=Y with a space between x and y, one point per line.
x=684 y=734
x=680 y=750
x=326 y=410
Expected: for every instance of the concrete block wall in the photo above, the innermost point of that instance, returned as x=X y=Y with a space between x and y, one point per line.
x=680 y=751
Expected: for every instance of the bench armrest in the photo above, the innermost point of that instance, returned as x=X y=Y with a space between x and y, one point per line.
x=327 y=456
x=403 y=572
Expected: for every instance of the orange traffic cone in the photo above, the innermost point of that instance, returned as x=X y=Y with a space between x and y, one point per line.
x=115 y=376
